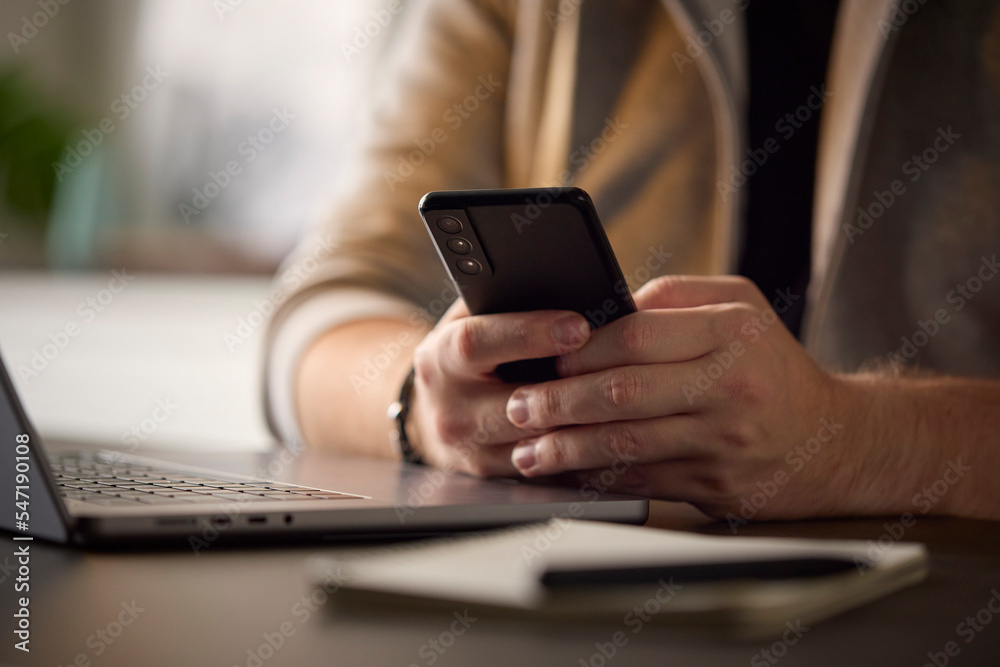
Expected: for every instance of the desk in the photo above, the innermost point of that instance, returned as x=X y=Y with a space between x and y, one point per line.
x=212 y=608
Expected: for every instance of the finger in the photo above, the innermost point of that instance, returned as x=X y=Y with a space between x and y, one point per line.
x=629 y=392
x=482 y=421
x=477 y=345
x=691 y=291
x=657 y=336
x=616 y=445
x=683 y=480
x=484 y=461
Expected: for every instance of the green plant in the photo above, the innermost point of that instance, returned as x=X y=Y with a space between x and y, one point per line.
x=32 y=137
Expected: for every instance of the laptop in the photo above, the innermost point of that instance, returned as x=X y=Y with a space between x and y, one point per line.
x=102 y=498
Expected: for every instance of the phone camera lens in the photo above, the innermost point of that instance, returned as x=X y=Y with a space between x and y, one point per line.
x=469 y=266
x=459 y=246
x=449 y=225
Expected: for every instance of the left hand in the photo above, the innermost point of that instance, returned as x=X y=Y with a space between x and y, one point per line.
x=701 y=396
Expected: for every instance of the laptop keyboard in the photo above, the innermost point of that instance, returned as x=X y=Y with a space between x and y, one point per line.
x=90 y=478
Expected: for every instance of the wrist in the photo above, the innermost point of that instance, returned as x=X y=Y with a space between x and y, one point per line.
x=867 y=454
x=400 y=414
x=413 y=425
x=886 y=449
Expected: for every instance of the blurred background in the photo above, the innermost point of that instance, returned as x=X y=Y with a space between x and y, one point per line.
x=158 y=158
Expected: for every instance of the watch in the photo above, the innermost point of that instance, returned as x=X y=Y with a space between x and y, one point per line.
x=398 y=413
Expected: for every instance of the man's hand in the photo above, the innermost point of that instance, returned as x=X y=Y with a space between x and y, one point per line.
x=702 y=396
x=458 y=419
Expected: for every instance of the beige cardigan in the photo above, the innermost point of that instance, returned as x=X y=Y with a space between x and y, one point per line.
x=640 y=103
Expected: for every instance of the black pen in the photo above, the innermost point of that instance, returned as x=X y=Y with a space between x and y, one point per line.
x=765 y=570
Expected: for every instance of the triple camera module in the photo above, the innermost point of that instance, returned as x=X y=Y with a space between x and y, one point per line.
x=459 y=245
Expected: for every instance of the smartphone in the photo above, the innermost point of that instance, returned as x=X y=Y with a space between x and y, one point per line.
x=528 y=249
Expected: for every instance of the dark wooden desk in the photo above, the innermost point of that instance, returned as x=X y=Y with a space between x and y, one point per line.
x=217 y=609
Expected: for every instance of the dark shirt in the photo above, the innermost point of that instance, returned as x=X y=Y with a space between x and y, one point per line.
x=789 y=44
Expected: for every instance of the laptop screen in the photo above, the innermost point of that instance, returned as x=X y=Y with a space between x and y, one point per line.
x=28 y=501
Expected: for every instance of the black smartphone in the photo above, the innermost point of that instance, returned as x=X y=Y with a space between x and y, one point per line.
x=527 y=249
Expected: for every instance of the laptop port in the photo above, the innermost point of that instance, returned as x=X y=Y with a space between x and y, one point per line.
x=257 y=519
x=178 y=521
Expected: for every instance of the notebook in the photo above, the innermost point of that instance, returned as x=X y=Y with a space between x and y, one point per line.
x=572 y=568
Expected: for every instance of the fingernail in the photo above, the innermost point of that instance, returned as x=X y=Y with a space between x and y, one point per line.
x=517 y=409
x=571 y=331
x=523 y=456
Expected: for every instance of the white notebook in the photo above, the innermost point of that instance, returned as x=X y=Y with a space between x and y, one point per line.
x=506 y=570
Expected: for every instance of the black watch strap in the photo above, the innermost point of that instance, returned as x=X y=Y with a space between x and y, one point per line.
x=398 y=413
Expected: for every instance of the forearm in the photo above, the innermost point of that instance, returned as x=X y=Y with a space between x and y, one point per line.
x=347 y=379
x=932 y=445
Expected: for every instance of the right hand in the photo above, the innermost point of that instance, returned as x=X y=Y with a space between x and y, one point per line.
x=458 y=415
